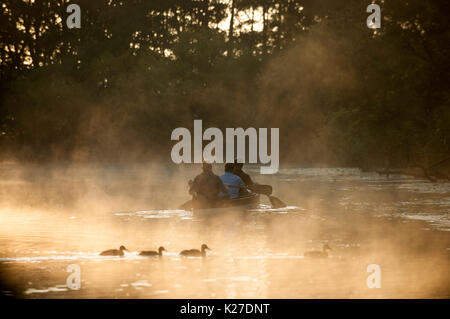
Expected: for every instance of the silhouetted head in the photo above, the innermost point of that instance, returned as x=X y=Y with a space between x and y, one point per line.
x=206 y=167
x=237 y=164
x=161 y=249
x=123 y=248
x=326 y=246
x=229 y=167
x=204 y=247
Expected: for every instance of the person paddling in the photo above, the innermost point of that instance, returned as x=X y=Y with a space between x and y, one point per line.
x=234 y=183
x=207 y=187
x=257 y=188
x=244 y=176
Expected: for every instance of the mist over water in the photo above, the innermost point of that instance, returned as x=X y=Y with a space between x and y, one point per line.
x=52 y=217
x=113 y=91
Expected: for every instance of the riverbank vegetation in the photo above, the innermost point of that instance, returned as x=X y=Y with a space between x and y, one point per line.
x=342 y=94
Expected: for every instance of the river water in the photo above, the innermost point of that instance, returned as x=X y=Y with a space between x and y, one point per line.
x=51 y=218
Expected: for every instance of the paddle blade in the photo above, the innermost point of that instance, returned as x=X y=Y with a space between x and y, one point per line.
x=187 y=205
x=276 y=202
x=261 y=189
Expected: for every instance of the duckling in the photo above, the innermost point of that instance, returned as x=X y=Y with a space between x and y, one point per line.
x=318 y=254
x=114 y=252
x=153 y=253
x=195 y=252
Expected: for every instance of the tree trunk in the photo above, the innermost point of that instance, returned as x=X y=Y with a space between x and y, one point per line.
x=264 y=31
x=230 y=33
x=205 y=14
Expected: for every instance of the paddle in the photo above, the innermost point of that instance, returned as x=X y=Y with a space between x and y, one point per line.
x=264 y=190
x=276 y=202
x=267 y=190
x=261 y=189
x=186 y=206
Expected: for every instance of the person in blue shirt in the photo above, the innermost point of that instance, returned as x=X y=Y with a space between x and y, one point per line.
x=232 y=181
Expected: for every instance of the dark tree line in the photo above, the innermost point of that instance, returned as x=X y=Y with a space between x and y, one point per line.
x=342 y=94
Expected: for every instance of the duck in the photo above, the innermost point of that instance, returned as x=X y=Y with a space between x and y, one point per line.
x=114 y=252
x=318 y=254
x=195 y=252
x=152 y=252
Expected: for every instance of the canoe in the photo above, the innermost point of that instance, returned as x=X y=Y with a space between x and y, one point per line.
x=237 y=204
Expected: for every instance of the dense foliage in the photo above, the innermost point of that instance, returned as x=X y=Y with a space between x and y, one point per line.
x=113 y=90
